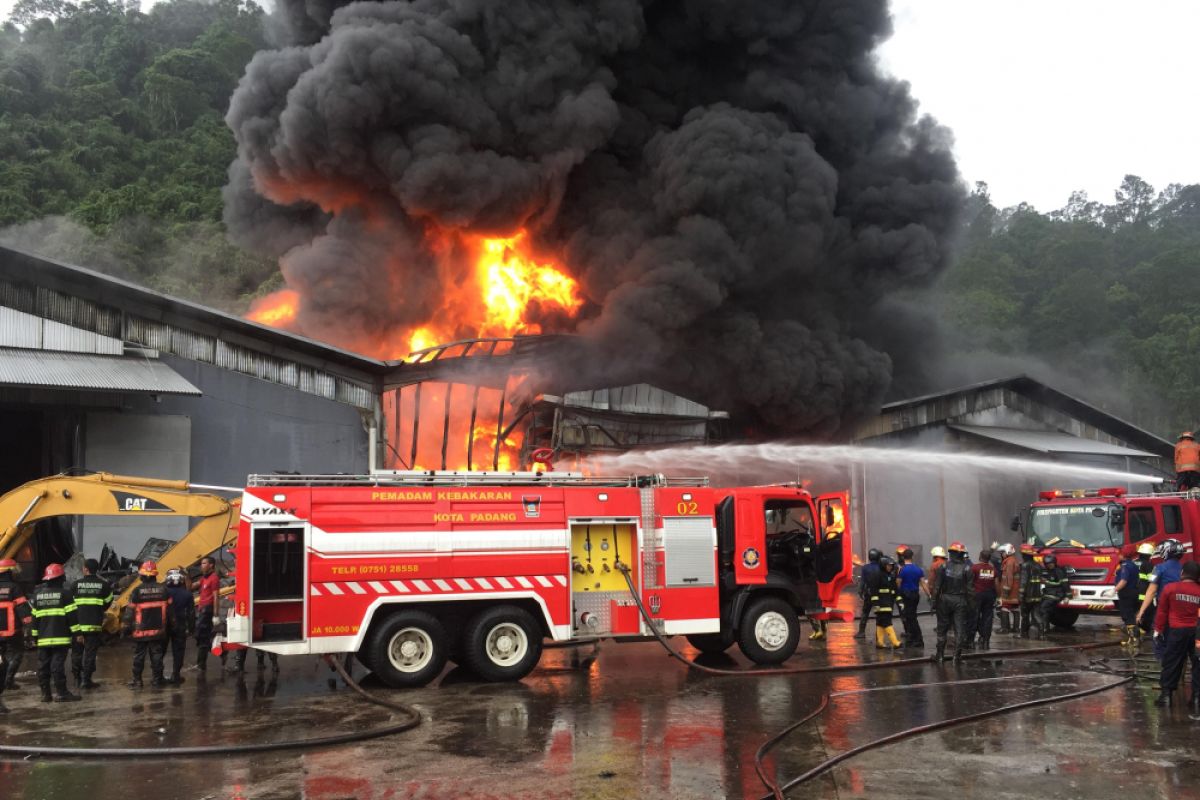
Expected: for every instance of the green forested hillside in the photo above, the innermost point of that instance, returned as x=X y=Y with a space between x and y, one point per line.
x=1106 y=296
x=111 y=126
x=113 y=152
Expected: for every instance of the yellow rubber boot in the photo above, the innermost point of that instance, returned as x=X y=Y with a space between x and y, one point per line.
x=879 y=637
x=895 y=640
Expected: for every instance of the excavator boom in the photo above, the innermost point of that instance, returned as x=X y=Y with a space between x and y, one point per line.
x=105 y=494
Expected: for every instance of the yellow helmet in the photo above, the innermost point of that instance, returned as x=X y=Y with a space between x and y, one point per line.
x=1145 y=549
x=938 y=552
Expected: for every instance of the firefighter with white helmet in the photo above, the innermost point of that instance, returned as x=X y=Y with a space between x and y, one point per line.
x=183 y=621
x=951 y=598
x=1009 y=589
x=1166 y=573
x=1145 y=552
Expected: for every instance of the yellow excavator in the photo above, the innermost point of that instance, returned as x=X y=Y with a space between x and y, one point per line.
x=105 y=494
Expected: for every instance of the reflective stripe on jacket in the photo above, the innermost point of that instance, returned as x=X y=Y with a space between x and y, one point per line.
x=15 y=612
x=1187 y=456
x=54 y=620
x=92 y=596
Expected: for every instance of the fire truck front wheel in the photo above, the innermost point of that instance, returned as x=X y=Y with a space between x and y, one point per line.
x=769 y=632
x=502 y=643
x=408 y=649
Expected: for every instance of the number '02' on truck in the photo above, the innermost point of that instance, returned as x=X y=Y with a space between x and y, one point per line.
x=409 y=570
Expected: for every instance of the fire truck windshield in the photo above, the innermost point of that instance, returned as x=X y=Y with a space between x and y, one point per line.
x=1073 y=526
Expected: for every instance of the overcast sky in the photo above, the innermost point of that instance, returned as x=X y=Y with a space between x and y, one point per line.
x=1047 y=96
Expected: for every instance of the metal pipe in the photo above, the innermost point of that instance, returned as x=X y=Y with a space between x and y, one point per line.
x=446 y=422
x=412 y=461
x=499 y=429
x=471 y=430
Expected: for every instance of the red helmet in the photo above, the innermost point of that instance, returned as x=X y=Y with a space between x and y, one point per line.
x=1028 y=550
x=957 y=547
x=148 y=568
x=53 y=571
x=7 y=563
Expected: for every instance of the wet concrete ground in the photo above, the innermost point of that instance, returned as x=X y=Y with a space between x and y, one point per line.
x=629 y=724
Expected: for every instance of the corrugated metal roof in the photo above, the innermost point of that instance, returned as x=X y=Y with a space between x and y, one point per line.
x=84 y=371
x=640 y=398
x=1049 y=441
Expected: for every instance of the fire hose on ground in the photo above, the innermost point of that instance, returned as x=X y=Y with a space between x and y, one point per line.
x=777 y=791
x=412 y=720
x=413 y=717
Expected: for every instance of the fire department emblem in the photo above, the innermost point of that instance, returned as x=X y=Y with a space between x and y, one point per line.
x=532 y=503
x=750 y=557
x=655 y=604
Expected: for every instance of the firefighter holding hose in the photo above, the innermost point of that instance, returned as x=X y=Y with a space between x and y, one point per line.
x=1187 y=462
x=1056 y=587
x=951 y=597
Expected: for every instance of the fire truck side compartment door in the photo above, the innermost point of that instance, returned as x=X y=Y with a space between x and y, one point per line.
x=749 y=550
x=834 y=565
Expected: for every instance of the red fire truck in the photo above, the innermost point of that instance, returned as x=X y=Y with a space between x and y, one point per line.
x=411 y=569
x=1086 y=529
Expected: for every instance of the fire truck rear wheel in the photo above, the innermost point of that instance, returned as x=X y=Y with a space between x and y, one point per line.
x=408 y=649
x=769 y=632
x=502 y=643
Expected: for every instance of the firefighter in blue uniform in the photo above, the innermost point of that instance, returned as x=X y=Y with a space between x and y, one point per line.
x=147 y=619
x=868 y=584
x=92 y=596
x=1166 y=573
x=55 y=626
x=15 y=616
x=183 y=622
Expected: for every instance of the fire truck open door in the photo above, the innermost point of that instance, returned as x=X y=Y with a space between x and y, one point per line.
x=277 y=582
x=834 y=565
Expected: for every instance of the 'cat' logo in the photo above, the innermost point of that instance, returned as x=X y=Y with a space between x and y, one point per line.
x=135 y=503
x=272 y=511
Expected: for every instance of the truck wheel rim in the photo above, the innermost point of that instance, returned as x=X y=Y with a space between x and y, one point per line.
x=410 y=650
x=771 y=630
x=506 y=644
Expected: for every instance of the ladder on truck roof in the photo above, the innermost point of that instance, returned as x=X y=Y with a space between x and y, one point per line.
x=449 y=478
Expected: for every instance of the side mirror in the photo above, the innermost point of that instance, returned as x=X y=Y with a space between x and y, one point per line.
x=830 y=519
x=1015 y=525
x=1118 y=516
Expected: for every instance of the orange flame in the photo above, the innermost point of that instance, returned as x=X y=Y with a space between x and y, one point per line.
x=277 y=309
x=491 y=287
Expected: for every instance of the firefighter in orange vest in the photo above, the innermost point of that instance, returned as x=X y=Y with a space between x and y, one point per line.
x=146 y=621
x=15 y=614
x=1187 y=462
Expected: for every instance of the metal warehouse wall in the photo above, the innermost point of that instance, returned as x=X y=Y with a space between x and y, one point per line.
x=243 y=425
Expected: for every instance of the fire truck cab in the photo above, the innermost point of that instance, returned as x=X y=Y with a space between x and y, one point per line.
x=411 y=569
x=1086 y=529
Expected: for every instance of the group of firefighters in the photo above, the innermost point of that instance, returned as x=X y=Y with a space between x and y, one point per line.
x=1163 y=600
x=965 y=595
x=64 y=620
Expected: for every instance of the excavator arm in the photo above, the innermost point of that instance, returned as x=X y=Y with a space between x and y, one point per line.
x=105 y=494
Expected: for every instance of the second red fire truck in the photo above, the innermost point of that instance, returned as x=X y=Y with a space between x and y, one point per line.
x=1086 y=529
x=411 y=569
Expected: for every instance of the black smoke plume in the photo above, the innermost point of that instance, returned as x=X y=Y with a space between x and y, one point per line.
x=734 y=183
